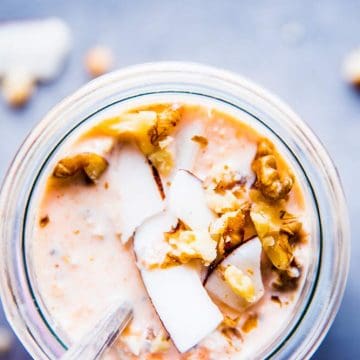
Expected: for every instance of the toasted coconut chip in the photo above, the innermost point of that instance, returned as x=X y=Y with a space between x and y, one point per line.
x=245 y=258
x=187 y=149
x=187 y=201
x=139 y=193
x=176 y=292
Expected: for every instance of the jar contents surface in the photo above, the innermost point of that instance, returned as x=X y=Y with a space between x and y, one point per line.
x=188 y=213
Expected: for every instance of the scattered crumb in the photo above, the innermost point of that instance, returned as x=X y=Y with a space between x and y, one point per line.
x=276 y=300
x=229 y=329
x=351 y=68
x=18 y=87
x=106 y=185
x=44 y=221
x=250 y=323
x=285 y=281
x=76 y=232
x=229 y=322
x=203 y=141
x=99 y=60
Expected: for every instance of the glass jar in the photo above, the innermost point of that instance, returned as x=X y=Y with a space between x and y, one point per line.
x=330 y=243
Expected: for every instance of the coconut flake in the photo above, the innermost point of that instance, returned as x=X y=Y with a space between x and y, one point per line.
x=140 y=197
x=187 y=201
x=177 y=293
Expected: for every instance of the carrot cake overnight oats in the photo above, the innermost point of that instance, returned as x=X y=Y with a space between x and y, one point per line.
x=186 y=212
x=188 y=192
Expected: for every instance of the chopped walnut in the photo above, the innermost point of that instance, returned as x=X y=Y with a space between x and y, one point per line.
x=92 y=164
x=201 y=140
x=229 y=322
x=250 y=323
x=150 y=129
x=167 y=120
x=276 y=300
x=44 y=221
x=225 y=190
x=228 y=230
x=187 y=245
x=277 y=230
x=224 y=178
x=229 y=328
x=288 y=280
x=222 y=203
x=163 y=144
x=163 y=161
x=132 y=126
x=240 y=283
x=290 y=223
x=270 y=181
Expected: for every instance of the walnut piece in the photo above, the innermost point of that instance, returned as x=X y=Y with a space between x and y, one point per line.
x=93 y=165
x=229 y=328
x=222 y=203
x=44 y=220
x=163 y=161
x=187 y=245
x=250 y=323
x=276 y=228
x=167 y=120
x=273 y=184
x=201 y=140
x=149 y=129
x=224 y=178
x=288 y=280
x=225 y=190
x=240 y=283
x=228 y=230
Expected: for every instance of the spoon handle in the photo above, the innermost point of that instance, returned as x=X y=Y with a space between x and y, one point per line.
x=94 y=343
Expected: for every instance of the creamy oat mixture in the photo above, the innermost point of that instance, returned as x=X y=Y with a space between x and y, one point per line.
x=187 y=213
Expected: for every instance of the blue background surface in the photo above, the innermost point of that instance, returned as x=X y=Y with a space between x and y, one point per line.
x=293 y=48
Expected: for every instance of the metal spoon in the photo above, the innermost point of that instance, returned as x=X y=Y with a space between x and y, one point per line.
x=94 y=343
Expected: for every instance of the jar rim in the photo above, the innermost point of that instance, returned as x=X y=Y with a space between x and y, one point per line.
x=203 y=74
